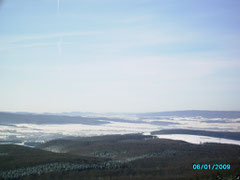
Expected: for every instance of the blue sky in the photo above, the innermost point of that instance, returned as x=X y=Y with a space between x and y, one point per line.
x=119 y=56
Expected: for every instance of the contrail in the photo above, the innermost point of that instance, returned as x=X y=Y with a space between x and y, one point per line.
x=58 y=5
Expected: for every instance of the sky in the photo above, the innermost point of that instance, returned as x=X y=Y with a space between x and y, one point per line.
x=119 y=56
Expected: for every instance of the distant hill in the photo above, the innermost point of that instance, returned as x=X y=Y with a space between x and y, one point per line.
x=194 y=113
x=7 y=118
x=19 y=118
x=32 y=118
x=184 y=113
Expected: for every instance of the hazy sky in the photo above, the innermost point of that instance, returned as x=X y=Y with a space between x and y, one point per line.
x=119 y=55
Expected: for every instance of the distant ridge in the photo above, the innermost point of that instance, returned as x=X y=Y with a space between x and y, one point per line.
x=180 y=113
x=31 y=118
x=194 y=113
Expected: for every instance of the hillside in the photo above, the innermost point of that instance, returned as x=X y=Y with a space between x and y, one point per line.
x=147 y=155
x=132 y=156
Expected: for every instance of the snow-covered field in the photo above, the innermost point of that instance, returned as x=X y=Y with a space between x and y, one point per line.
x=20 y=133
x=195 y=139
